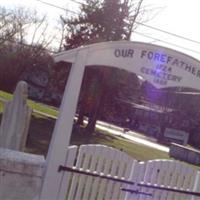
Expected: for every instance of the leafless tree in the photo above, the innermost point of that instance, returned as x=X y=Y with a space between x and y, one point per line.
x=23 y=43
x=23 y=25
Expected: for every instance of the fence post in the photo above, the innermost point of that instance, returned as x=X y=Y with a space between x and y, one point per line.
x=62 y=131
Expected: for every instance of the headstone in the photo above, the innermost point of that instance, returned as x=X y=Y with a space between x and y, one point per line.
x=16 y=119
x=178 y=136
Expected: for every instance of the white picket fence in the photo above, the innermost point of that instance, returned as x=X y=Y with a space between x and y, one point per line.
x=93 y=160
x=168 y=174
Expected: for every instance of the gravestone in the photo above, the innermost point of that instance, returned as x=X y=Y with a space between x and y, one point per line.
x=177 y=136
x=16 y=119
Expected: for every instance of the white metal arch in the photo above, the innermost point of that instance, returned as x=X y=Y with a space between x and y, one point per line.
x=161 y=66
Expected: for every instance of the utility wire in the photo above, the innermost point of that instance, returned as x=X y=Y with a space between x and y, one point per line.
x=55 y=6
x=157 y=29
x=78 y=2
x=169 y=33
x=154 y=28
x=167 y=42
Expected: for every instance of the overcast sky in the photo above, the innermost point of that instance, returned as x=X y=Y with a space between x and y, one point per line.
x=176 y=16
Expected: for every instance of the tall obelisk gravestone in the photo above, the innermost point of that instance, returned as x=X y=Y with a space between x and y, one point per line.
x=16 y=119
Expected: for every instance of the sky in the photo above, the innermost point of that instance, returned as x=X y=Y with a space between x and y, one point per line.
x=174 y=16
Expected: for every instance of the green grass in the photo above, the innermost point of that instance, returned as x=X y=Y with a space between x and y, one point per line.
x=35 y=106
x=43 y=108
x=1 y=107
x=5 y=95
x=41 y=129
x=137 y=151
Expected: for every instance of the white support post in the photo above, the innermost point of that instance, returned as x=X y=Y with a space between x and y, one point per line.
x=62 y=131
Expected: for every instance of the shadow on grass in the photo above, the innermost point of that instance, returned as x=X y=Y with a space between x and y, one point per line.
x=41 y=129
x=39 y=136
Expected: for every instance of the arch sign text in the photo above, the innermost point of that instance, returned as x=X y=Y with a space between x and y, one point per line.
x=161 y=66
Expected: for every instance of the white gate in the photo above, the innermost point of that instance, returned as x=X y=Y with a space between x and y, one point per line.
x=97 y=160
x=101 y=172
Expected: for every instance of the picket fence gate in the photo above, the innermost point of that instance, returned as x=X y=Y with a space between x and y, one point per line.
x=91 y=171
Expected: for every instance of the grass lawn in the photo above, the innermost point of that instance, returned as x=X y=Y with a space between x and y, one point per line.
x=34 y=105
x=41 y=128
x=137 y=151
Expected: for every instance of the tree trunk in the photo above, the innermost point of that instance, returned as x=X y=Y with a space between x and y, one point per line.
x=99 y=101
x=80 y=118
x=94 y=115
x=162 y=129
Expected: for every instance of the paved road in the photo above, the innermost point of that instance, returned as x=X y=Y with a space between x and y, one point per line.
x=135 y=137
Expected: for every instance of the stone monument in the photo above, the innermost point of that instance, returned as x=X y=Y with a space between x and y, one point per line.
x=16 y=119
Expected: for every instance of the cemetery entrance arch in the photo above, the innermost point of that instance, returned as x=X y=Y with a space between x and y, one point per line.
x=161 y=66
